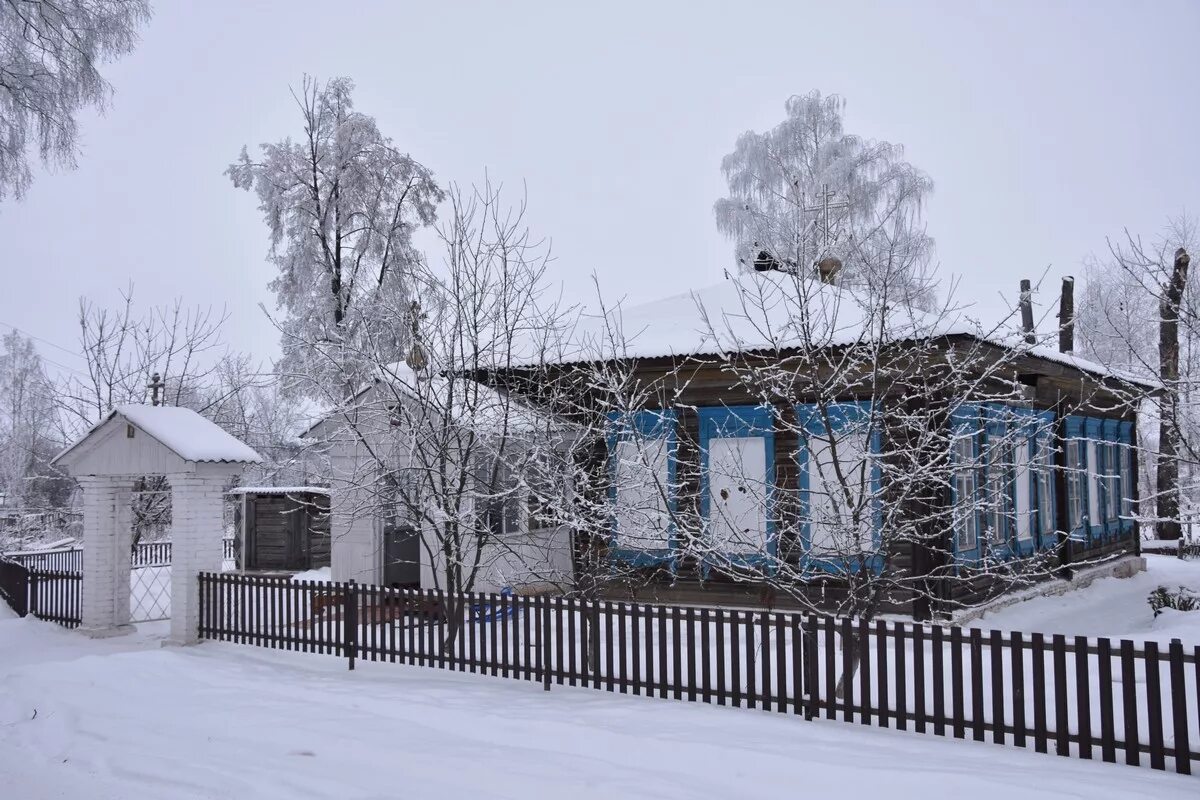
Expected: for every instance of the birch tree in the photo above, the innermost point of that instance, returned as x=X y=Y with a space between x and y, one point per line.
x=342 y=203
x=807 y=192
x=467 y=466
x=51 y=53
x=28 y=437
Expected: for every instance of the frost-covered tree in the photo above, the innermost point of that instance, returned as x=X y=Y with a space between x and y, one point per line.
x=50 y=55
x=124 y=347
x=807 y=192
x=27 y=429
x=342 y=204
x=1140 y=313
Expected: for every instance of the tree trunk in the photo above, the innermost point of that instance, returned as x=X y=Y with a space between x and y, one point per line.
x=1168 y=427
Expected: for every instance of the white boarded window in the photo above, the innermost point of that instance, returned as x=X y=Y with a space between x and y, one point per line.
x=737 y=485
x=840 y=510
x=642 y=514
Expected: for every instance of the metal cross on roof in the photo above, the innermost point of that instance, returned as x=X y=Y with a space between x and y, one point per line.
x=155 y=385
x=824 y=205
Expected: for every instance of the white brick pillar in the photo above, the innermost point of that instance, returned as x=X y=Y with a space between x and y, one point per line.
x=106 y=537
x=197 y=520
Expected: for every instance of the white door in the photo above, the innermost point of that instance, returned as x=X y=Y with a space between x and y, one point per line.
x=737 y=486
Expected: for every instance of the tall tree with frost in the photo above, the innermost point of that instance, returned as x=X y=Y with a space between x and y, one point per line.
x=27 y=440
x=1140 y=314
x=50 y=54
x=777 y=214
x=342 y=204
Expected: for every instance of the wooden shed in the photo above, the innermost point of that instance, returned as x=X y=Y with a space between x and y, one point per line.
x=283 y=528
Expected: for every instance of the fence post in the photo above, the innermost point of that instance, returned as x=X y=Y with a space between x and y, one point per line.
x=809 y=671
x=544 y=642
x=350 y=621
x=29 y=593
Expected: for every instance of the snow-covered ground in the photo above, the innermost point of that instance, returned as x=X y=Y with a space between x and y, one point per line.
x=1110 y=607
x=125 y=718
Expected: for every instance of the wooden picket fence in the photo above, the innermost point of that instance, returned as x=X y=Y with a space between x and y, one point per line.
x=52 y=595
x=1082 y=697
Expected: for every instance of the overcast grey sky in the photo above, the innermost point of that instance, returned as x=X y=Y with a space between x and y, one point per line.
x=1045 y=127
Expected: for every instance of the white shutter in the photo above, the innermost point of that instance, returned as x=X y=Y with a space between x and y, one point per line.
x=1022 y=467
x=830 y=512
x=737 y=492
x=642 y=516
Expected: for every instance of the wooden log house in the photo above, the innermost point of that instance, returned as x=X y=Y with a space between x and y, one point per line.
x=1064 y=495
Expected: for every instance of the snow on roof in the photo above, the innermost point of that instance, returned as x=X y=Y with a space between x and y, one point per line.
x=762 y=311
x=182 y=431
x=458 y=400
x=279 y=490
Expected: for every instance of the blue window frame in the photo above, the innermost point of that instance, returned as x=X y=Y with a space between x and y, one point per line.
x=824 y=428
x=1094 y=433
x=723 y=431
x=1030 y=440
x=1000 y=435
x=1045 y=498
x=966 y=435
x=1128 y=476
x=1112 y=477
x=646 y=437
x=1077 y=477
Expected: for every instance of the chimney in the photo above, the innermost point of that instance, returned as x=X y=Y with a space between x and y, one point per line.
x=1027 y=313
x=1066 y=316
x=828 y=268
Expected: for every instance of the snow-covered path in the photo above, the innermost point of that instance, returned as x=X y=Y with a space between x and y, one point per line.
x=127 y=719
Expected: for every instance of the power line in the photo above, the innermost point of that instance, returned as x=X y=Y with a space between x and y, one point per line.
x=43 y=341
x=46 y=358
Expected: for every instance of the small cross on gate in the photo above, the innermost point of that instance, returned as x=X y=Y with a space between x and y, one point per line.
x=155 y=385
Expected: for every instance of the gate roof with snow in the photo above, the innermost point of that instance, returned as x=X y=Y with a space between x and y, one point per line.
x=144 y=440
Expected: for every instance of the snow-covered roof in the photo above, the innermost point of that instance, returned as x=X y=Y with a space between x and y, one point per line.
x=482 y=408
x=180 y=430
x=775 y=311
x=279 y=490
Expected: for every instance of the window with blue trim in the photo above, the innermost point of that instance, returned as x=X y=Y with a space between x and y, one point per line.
x=642 y=451
x=1029 y=434
x=966 y=433
x=1112 y=477
x=1077 y=477
x=839 y=484
x=997 y=481
x=1002 y=483
x=1094 y=433
x=1047 y=525
x=1125 y=438
x=737 y=484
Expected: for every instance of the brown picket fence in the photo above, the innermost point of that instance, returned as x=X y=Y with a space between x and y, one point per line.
x=1127 y=701
x=52 y=595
